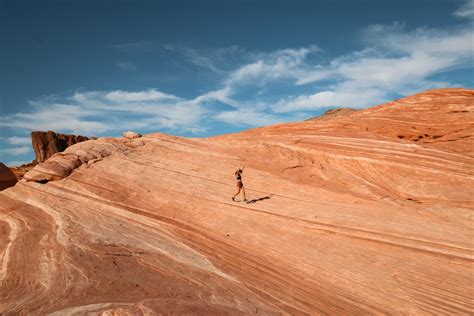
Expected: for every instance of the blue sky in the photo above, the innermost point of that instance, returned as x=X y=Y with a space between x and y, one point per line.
x=201 y=68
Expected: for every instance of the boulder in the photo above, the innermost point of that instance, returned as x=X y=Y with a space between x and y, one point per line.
x=7 y=178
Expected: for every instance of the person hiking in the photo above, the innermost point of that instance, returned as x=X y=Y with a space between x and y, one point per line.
x=240 y=184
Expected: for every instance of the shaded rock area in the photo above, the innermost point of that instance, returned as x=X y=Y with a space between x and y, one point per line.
x=344 y=217
x=46 y=144
x=7 y=178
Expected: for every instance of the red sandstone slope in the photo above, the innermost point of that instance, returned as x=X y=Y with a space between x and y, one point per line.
x=357 y=219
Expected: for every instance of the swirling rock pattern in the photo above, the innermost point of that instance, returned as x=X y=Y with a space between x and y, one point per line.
x=366 y=213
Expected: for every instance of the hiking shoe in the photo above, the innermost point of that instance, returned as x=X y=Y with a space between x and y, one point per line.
x=233 y=199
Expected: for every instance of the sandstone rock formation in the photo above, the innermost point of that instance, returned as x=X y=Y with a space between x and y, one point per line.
x=48 y=143
x=346 y=217
x=7 y=178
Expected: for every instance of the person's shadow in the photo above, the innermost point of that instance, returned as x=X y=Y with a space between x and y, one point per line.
x=260 y=199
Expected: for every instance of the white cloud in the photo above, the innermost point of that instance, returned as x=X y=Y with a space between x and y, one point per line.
x=16 y=151
x=397 y=62
x=47 y=115
x=222 y=95
x=97 y=112
x=147 y=95
x=280 y=64
x=466 y=10
x=15 y=140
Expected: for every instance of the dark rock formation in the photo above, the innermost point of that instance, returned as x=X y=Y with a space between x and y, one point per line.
x=48 y=143
x=7 y=178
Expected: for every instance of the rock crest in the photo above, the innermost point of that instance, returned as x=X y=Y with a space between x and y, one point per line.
x=60 y=165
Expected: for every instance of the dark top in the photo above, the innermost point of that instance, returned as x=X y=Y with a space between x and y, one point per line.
x=238 y=175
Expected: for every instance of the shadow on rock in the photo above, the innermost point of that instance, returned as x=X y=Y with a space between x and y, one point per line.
x=260 y=199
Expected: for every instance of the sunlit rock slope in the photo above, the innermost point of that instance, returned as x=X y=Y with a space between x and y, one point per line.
x=367 y=213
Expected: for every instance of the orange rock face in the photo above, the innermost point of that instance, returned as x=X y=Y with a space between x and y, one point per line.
x=366 y=213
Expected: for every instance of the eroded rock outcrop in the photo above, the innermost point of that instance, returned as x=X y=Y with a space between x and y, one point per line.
x=46 y=144
x=60 y=165
x=345 y=217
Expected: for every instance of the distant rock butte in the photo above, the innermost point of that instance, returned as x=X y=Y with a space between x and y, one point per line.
x=46 y=144
x=7 y=178
x=365 y=213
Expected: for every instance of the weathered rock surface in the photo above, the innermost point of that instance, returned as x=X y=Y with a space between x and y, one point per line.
x=7 y=178
x=346 y=217
x=46 y=144
x=60 y=165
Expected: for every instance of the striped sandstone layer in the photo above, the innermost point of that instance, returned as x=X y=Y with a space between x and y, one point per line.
x=366 y=213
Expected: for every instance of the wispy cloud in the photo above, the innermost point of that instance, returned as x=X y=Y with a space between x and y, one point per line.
x=396 y=61
x=16 y=151
x=466 y=10
x=15 y=140
x=272 y=66
x=97 y=112
x=194 y=57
